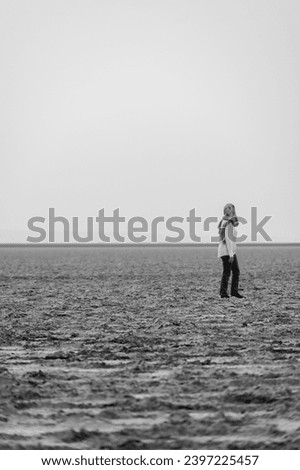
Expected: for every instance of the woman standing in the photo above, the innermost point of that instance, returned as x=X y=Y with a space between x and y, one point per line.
x=227 y=252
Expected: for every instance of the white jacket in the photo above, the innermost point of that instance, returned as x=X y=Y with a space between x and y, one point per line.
x=229 y=247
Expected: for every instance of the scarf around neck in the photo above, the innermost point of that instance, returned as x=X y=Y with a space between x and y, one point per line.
x=228 y=220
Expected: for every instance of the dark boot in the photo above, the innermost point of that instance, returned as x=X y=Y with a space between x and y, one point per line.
x=238 y=295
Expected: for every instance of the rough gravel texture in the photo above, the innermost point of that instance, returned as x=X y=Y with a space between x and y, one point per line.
x=132 y=348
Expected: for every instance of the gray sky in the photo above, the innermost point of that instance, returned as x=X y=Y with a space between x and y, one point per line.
x=155 y=107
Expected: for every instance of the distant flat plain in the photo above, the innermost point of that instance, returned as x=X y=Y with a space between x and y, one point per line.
x=127 y=348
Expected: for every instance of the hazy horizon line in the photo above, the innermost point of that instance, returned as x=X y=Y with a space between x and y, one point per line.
x=140 y=245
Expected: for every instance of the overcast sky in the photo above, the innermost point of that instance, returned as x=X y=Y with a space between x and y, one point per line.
x=152 y=106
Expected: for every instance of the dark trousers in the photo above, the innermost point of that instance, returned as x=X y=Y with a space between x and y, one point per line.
x=227 y=267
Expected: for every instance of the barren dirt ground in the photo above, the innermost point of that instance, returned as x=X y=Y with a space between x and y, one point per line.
x=132 y=348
